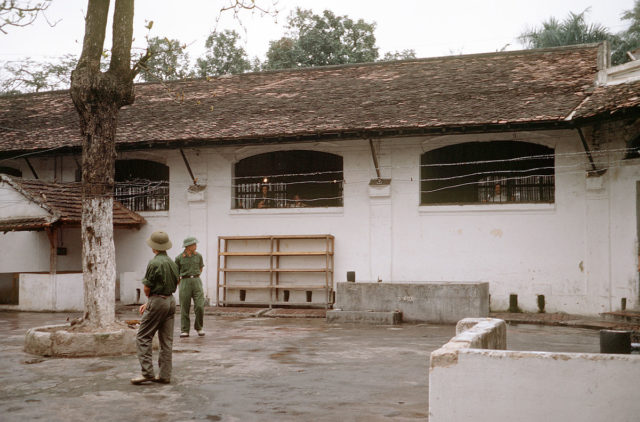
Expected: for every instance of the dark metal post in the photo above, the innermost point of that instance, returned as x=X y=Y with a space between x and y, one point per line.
x=615 y=341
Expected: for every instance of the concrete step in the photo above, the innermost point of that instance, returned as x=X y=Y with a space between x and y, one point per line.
x=622 y=316
x=365 y=317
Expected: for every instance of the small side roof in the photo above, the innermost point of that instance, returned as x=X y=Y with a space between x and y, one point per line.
x=63 y=205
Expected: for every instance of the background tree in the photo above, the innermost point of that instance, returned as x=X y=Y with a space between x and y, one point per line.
x=25 y=76
x=20 y=12
x=320 y=40
x=31 y=76
x=224 y=56
x=169 y=60
x=575 y=30
x=572 y=30
x=399 y=55
x=629 y=40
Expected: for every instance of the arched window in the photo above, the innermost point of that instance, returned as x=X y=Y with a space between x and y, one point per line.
x=288 y=179
x=10 y=171
x=487 y=172
x=633 y=147
x=142 y=185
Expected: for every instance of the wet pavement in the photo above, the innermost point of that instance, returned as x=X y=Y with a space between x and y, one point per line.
x=248 y=369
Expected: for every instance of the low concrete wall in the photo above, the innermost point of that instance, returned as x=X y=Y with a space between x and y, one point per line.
x=470 y=381
x=55 y=340
x=46 y=292
x=430 y=302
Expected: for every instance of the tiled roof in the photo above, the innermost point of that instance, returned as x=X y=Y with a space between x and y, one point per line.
x=24 y=224
x=498 y=89
x=609 y=100
x=64 y=202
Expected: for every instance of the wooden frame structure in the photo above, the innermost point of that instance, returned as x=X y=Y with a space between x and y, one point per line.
x=275 y=270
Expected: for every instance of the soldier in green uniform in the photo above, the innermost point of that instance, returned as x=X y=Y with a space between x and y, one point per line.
x=190 y=266
x=160 y=282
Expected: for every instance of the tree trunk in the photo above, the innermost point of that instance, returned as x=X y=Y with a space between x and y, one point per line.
x=98 y=249
x=97 y=97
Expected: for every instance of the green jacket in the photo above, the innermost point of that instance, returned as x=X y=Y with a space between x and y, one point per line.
x=189 y=265
x=162 y=275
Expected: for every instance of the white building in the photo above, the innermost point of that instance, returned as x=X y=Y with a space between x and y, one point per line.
x=516 y=168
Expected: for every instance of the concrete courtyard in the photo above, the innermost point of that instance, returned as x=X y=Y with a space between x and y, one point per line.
x=248 y=369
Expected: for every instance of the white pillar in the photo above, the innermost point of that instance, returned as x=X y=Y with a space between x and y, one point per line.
x=196 y=199
x=380 y=247
x=598 y=244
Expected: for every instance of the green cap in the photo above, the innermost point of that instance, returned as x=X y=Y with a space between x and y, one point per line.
x=189 y=241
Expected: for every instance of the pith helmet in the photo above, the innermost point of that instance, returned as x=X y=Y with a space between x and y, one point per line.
x=189 y=241
x=159 y=241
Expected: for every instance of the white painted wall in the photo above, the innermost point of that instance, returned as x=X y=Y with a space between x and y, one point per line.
x=580 y=252
x=45 y=292
x=501 y=386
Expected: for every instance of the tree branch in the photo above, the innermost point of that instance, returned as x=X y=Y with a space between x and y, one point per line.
x=122 y=35
x=141 y=63
x=237 y=5
x=19 y=14
x=94 y=34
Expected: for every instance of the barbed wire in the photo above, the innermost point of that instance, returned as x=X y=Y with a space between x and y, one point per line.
x=153 y=190
x=146 y=185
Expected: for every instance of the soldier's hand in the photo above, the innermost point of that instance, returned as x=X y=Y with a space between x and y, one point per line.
x=142 y=308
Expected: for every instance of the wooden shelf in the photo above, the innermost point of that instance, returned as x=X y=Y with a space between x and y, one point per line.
x=303 y=270
x=313 y=251
x=279 y=286
x=246 y=270
x=279 y=303
x=275 y=270
x=280 y=236
x=242 y=287
x=245 y=254
x=298 y=287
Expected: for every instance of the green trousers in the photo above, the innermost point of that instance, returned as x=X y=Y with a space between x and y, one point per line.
x=158 y=317
x=191 y=288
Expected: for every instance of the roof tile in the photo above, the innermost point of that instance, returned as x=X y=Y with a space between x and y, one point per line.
x=498 y=88
x=65 y=200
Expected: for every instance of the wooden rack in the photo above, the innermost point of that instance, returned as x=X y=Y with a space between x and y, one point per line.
x=275 y=270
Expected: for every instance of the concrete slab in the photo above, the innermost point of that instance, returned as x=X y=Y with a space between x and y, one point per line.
x=365 y=317
x=436 y=302
x=247 y=369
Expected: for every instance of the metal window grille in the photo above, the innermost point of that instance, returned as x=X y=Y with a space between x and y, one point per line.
x=517 y=189
x=296 y=178
x=488 y=172
x=249 y=195
x=143 y=196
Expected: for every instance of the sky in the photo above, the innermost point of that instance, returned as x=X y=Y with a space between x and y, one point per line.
x=429 y=27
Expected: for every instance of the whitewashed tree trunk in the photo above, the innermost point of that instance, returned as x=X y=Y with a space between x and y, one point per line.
x=98 y=263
